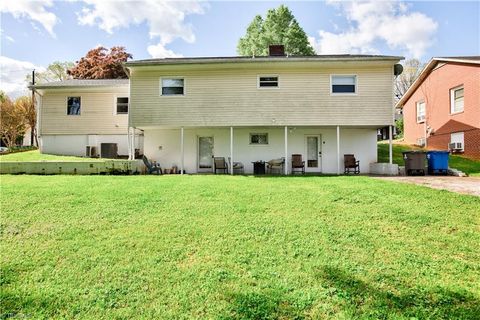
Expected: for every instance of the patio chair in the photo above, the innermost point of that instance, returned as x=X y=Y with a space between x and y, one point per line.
x=276 y=165
x=219 y=163
x=298 y=165
x=351 y=163
x=237 y=166
x=151 y=168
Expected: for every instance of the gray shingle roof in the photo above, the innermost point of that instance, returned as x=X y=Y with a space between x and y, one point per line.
x=83 y=83
x=331 y=57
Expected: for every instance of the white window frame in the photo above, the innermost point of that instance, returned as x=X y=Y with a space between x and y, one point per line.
x=270 y=76
x=172 y=78
x=66 y=105
x=258 y=144
x=424 y=111
x=452 y=99
x=462 y=140
x=343 y=93
x=115 y=111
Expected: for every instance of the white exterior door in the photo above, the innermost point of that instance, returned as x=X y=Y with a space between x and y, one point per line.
x=205 y=154
x=313 y=153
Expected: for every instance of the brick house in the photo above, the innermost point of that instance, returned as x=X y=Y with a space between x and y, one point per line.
x=441 y=109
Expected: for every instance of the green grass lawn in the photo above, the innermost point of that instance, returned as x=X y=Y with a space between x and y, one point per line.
x=222 y=247
x=470 y=167
x=35 y=155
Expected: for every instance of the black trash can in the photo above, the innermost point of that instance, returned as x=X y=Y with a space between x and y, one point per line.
x=415 y=162
x=258 y=167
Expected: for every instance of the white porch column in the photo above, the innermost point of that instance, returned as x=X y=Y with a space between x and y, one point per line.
x=133 y=143
x=390 y=151
x=286 y=150
x=231 y=150
x=129 y=144
x=338 y=149
x=181 y=151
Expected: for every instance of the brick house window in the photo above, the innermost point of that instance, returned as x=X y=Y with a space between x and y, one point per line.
x=457 y=141
x=456 y=100
x=420 y=111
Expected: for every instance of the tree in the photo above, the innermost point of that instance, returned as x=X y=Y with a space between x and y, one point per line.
x=411 y=71
x=101 y=63
x=56 y=71
x=12 y=121
x=26 y=107
x=279 y=27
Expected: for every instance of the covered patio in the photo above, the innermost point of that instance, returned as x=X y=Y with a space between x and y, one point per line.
x=191 y=149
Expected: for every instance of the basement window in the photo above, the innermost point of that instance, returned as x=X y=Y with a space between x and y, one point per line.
x=268 y=82
x=122 y=105
x=344 y=84
x=172 y=87
x=73 y=106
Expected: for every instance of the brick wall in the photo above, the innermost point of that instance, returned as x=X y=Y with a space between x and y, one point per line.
x=435 y=91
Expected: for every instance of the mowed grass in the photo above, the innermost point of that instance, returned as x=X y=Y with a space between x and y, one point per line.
x=222 y=247
x=35 y=155
x=468 y=166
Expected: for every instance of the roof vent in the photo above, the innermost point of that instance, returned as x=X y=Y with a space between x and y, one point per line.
x=276 y=50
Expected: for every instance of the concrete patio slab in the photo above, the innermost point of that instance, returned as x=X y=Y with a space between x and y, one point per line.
x=464 y=185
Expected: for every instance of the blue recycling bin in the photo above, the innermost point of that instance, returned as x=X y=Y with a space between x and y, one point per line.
x=437 y=162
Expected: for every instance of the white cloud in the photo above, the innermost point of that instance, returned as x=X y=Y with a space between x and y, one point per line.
x=13 y=74
x=165 y=19
x=36 y=11
x=159 y=51
x=372 y=21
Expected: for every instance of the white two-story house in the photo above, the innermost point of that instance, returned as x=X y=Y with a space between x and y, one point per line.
x=261 y=108
x=182 y=112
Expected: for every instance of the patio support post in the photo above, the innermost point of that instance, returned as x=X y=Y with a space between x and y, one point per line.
x=286 y=150
x=231 y=150
x=338 y=149
x=129 y=144
x=390 y=152
x=181 y=151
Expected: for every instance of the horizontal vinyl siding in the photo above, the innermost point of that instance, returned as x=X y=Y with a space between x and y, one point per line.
x=97 y=113
x=231 y=97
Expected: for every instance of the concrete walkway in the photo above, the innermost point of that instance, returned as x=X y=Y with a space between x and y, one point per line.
x=465 y=185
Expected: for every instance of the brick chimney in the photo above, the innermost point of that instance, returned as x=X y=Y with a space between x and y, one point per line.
x=276 y=50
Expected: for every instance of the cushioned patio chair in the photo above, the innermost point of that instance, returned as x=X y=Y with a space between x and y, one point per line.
x=351 y=163
x=152 y=168
x=276 y=166
x=237 y=166
x=298 y=165
x=219 y=163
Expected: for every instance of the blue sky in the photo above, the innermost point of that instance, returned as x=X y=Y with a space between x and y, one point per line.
x=33 y=34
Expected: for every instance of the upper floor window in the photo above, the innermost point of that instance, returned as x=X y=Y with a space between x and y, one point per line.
x=456 y=100
x=173 y=86
x=420 y=111
x=122 y=105
x=268 y=82
x=345 y=84
x=73 y=106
